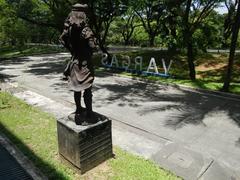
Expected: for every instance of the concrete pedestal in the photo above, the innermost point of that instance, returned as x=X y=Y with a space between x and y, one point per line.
x=85 y=146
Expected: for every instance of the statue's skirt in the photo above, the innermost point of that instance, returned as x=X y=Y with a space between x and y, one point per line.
x=81 y=75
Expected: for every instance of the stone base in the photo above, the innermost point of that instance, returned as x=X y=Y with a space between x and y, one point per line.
x=85 y=146
x=83 y=120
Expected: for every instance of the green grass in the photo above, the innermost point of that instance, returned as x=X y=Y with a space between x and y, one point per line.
x=194 y=84
x=13 y=52
x=34 y=133
x=128 y=166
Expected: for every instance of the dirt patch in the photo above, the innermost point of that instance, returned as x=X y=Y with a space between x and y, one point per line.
x=210 y=67
x=101 y=172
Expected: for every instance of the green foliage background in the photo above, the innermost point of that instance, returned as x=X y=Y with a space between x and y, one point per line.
x=16 y=27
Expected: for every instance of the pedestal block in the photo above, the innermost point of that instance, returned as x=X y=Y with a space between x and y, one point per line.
x=85 y=146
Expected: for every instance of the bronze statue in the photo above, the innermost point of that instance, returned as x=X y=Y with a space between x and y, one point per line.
x=79 y=39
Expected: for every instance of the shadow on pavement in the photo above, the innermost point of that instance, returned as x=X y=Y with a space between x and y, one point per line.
x=45 y=68
x=44 y=65
x=15 y=61
x=188 y=107
x=4 y=77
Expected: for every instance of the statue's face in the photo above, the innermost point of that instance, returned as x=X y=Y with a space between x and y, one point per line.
x=78 y=17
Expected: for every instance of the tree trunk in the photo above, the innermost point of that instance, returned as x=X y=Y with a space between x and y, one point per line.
x=13 y=42
x=190 y=59
x=235 y=31
x=126 y=42
x=126 y=39
x=188 y=41
x=151 y=40
x=173 y=47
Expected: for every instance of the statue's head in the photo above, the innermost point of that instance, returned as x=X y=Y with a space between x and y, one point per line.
x=78 y=15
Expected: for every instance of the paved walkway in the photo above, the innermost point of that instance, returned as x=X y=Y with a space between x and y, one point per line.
x=194 y=134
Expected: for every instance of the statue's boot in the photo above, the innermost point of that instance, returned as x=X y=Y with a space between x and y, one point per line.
x=88 y=103
x=77 y=99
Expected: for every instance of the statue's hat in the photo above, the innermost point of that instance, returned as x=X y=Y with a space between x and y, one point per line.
x=80 y=7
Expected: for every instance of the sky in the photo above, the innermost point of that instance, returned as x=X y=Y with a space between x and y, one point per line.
x=222 y=9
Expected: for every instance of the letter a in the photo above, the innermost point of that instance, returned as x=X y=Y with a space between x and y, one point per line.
x=114 y=61
x=152 y=66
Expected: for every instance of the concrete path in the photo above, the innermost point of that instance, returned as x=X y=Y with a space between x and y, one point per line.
x=194 y=134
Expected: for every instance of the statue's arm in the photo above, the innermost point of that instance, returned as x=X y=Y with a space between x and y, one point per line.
x=92 y=42
x=64 y=38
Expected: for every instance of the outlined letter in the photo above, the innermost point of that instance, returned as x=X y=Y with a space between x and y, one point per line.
x=166 y=69
x=126 y=62
x=104 y=59
x=138 y=62
x=114 y=61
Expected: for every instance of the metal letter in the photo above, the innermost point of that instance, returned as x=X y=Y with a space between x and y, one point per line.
x=114 y=61
x=138 y=62
x=152 y=66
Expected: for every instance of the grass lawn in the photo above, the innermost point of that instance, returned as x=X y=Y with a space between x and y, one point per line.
x=13 y=52
x=34 y=133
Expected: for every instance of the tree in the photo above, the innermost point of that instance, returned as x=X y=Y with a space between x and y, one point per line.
x=194 y=14
x=140 y=37
x=151 y=13
x=17 y=31
x=210 y=32
x=13 y=30
x=126 y=24
x=40 y=12
x=231 y=5
x=103 y=14
x=52 y=13
x=235 y=30
x=172 y=24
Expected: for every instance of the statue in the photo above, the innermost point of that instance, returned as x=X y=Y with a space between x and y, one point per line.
x=79 y=39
